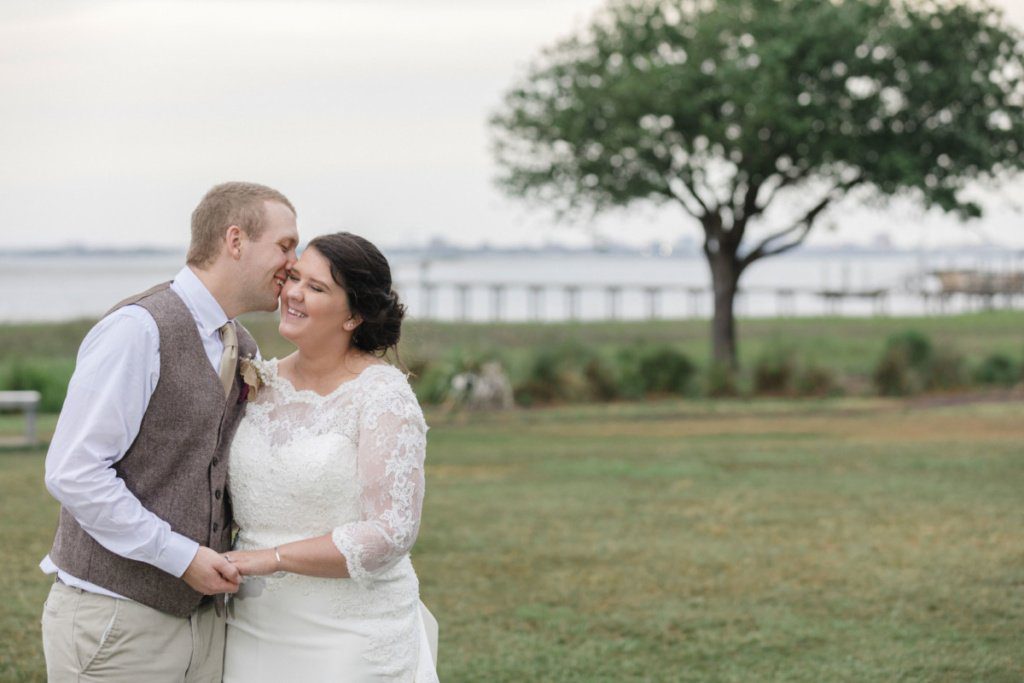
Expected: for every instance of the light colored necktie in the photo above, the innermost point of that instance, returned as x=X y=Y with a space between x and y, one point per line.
x=228 y=359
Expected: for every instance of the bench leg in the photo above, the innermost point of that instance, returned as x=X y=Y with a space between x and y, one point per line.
x=30 y=425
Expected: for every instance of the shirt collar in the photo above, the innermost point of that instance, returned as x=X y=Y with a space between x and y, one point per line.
x=208 y=314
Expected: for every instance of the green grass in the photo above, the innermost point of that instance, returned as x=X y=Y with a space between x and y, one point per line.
x=730 y=541
x=841 y=352
x=845 y=344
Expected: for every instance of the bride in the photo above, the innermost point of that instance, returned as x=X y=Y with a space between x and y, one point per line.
x=326 y=482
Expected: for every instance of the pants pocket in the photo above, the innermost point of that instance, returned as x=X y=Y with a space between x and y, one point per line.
x=95 y=630
x=59 y=600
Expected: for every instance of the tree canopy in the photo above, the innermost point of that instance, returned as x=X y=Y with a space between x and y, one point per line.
x=721 y=107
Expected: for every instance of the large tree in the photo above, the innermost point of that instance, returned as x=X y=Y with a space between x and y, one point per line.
x=726 y=108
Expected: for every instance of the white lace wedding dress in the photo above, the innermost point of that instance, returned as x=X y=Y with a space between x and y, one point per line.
x=350 y=464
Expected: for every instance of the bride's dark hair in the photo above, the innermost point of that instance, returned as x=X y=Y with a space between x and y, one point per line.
x=362 y=271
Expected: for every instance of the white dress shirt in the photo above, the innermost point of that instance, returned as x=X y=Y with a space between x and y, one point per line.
x=115 y=375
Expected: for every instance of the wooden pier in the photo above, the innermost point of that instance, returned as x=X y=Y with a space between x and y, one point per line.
x=698 y=299
x=484 y=300
x=984 y=289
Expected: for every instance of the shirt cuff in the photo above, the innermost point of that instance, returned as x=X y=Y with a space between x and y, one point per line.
x=177 y=555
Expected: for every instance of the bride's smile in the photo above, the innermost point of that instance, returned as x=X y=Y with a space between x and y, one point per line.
x=314 y=307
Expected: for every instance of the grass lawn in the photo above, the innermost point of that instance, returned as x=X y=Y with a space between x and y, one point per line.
x=843 y=344
x=848 y=345
x=846 y=540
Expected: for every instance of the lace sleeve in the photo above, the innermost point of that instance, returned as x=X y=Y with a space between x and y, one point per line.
x=391 y=450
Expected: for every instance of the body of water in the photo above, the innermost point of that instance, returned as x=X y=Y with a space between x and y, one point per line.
x=542 y=286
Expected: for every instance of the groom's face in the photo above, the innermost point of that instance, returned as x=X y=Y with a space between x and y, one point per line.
x=267 y=259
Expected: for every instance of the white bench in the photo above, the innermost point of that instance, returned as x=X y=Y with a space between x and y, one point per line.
x=28 y=402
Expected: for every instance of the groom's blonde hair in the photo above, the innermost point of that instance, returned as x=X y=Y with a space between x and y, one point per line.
x=225 y=205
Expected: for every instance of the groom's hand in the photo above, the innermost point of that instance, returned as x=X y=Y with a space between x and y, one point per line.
x=210 y=573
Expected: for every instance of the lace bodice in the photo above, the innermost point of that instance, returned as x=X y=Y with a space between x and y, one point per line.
x=349 y=463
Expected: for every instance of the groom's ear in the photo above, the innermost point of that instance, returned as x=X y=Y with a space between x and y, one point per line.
x=233 y=241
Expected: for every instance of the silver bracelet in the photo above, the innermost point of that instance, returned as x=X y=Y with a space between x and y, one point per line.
x=278 y=556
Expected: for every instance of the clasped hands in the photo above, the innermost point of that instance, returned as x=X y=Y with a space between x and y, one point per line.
x=211 y=573
x=254 y=562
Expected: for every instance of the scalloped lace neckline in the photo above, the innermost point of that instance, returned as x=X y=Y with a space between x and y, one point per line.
x=285 y=384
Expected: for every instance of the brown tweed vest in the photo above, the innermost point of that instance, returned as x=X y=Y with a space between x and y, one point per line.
x=176 y=467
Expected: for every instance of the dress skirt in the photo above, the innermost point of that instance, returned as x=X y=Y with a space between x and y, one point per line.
x=311 y=629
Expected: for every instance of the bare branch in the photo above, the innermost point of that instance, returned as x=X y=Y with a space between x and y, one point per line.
x=799 y=230
x=749 y=203
x=697 y=179
x=801 y=227
x=683 y=202
x=787 y=180
x=780 y=249
x=691 y=194
x=734 y=189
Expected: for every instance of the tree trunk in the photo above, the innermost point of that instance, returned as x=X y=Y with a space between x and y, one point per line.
x=725 y=275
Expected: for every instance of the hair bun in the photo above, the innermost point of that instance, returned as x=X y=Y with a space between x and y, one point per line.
x=382 y=331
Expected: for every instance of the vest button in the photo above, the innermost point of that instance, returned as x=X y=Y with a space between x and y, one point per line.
x=215 y=461
x=216 y=494
x=215 y=527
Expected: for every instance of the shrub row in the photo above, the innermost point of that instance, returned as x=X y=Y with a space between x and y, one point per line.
x=575 y=372
x=569 y=373
x=911 y=364
x=779 y=372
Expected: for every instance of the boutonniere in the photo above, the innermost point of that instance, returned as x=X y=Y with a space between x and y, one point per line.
x=252 y=380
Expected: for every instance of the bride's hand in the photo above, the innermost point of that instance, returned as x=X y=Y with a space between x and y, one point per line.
x=253 y=562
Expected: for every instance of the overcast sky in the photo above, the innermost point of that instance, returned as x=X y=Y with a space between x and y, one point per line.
x=115 y=117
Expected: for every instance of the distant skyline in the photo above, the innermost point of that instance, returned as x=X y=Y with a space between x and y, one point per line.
x=370 y=115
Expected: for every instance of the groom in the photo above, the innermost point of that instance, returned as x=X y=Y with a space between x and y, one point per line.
x=139 y=457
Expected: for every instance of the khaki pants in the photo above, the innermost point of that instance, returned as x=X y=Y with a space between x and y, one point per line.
x=90 y=637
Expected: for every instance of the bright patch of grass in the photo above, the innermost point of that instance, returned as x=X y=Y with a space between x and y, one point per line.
x=845 y=540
